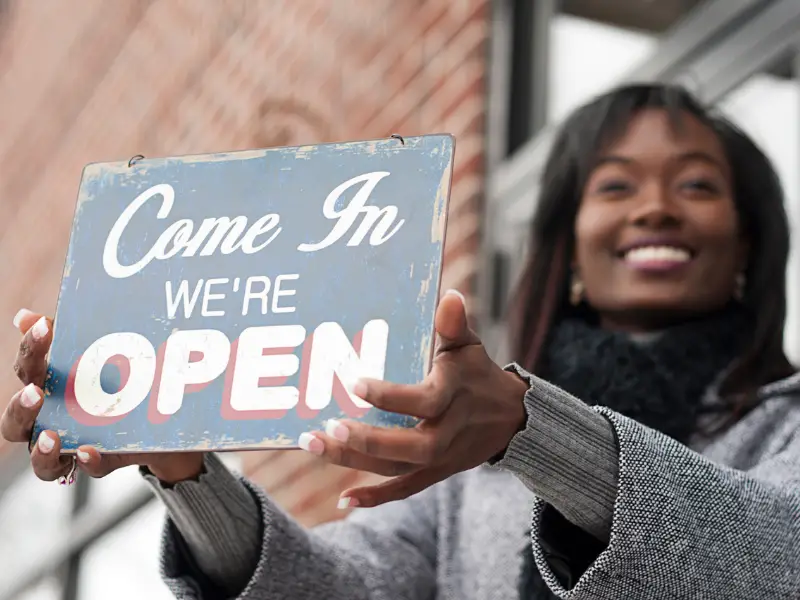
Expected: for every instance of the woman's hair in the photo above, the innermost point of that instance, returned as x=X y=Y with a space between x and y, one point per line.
x=542 y=296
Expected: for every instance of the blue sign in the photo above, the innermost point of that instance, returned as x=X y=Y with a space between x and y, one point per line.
x=229 y=301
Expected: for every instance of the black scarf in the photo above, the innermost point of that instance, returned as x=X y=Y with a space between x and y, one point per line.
x=658 y=380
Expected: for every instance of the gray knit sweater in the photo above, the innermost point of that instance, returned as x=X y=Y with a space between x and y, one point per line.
x=720 y=521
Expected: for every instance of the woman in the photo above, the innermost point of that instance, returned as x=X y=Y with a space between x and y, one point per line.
x=658 y=446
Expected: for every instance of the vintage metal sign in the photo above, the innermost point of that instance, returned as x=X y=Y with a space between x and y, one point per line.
x=227 y=301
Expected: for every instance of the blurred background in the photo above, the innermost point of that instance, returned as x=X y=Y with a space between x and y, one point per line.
x=101 y=80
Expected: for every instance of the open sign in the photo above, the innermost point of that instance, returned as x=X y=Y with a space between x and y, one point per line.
x=229 y=301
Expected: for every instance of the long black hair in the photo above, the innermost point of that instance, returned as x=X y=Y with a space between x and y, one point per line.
x=542 y=297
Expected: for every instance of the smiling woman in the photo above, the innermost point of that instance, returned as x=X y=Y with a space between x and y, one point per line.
x=652 y=423
x=657 y=234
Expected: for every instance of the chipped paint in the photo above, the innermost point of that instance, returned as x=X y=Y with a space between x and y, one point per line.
x=305 y=152
x=425 y=284
x=426 y=333
x=344 y=284
x=439 y=222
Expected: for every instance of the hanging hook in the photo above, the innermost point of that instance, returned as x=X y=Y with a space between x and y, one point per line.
x=135 y=159
x=397 y=136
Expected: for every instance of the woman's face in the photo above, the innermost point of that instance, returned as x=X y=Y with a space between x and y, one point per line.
x=657 y=233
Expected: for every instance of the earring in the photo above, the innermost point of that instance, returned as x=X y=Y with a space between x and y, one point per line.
x=576 y=290
x=739 y=287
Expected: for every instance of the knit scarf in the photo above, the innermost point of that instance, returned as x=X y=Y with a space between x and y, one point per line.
x=659 y=380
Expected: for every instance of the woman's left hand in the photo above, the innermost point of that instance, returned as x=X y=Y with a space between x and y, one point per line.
x=470 y=409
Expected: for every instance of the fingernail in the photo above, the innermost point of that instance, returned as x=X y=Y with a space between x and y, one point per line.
x=23 y=312
x=29 y=396
x=83 y=456
x=337 y=430
x=457 y=293
x=40 y=329
x=347 y=503
x=358 y=388
x=310 y=443
x=46 y=443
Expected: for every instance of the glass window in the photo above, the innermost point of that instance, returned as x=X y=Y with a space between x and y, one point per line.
x=564 y=52
x=587 y=57
x=46 y=589
x=649 y=15
x=32 y=513
x=124 y=564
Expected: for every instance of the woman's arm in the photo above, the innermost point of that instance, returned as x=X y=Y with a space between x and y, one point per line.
x=225 y=538
x=217 y=527
x=566 y=455
x=682 y=526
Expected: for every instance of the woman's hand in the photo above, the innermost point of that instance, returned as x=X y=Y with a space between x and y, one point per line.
x=470 y=409
x=17 y=421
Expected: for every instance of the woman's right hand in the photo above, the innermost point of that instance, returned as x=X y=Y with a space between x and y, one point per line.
x=16 y=424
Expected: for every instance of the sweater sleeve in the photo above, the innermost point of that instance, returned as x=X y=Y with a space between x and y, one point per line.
x=376 y=554
x=217 y=521
x=566 y=455
x=686 y=527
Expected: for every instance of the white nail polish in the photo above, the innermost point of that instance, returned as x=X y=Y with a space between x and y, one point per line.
x=29 y=396
x=310 y=443
x=21 y=314
x=336 y=430
x=348 y=384
x=347 y=503
x=40 y=329
x=83 y=456
x=457 y=293
x=357 y=388
x=46 y=443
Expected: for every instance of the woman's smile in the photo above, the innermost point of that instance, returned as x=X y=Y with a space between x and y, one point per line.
x=656 y=256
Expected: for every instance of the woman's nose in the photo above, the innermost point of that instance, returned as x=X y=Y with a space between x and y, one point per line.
x=655 y=207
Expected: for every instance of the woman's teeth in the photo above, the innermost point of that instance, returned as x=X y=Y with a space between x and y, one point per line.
x=658 y=254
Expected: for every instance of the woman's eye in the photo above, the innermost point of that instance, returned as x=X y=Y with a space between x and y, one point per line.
x=611 y=187
x=700 y=185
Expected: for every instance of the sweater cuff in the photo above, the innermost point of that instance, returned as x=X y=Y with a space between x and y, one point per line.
x=566 y=455
x=219 y=521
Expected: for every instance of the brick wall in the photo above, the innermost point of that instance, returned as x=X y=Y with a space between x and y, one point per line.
x=98 y=80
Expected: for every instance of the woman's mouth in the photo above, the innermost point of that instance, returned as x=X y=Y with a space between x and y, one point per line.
x=657 y=258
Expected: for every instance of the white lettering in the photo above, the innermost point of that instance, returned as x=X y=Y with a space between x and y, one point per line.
x=179 y=370
x=263 y=225
x=228 y=235
x=252 y=364
x=194 y=358
x=208 y=296
x=222 y=231
x=249 y=294
x=110 y=252
x=378 y=219
x=178 y=234
x=276 y=295
x=89 y=392
x=333 y=355
x=182 y=296
x=224 y=234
